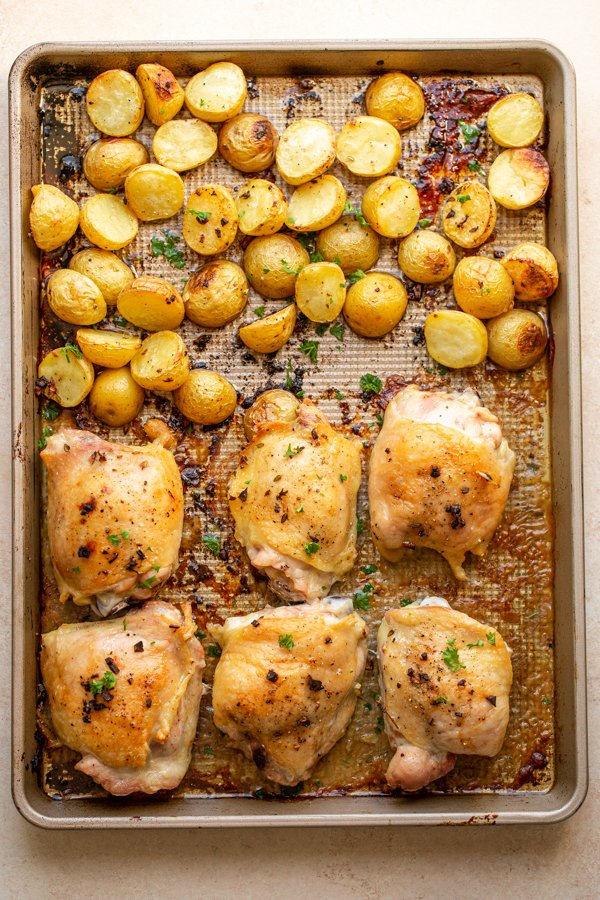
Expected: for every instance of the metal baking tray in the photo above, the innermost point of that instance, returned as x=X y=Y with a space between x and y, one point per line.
x=554 y=654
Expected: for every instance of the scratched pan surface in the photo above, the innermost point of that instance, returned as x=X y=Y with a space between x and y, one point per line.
x=512 y=588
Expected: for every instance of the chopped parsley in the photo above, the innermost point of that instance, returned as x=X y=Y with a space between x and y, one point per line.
x=440 y=700
x=310 y=349
x=148 y=582
x=107 y=682
x=287 y=641
x=451 y=658
x=485 y=290
x=76 y=570
x=51 y=411
x=321 y=328
x=338 y=331
x=361 y=598
x=199 y=214
x=370 y=383
x=355 y=276
x=212 y=542
x=311 y=548
x=424 y=223
x=369 y=569
x=343 y=477
x=288 y=376
x=199 y=634
x=288 y=270
x=462 y=198
x=42 y=442
x=116 y=539
x=406 y=601
x=259 y=311
x=491 y=638
x=350 y=210
x=360 y=524
x=121 y=321
x=474 y=166
x=379 y=418
x=442 y=370
x=339 y=395
x=476 y=644
x=214 y=651
x=70 y=348
x=300 y=509
x=208 y=751
x=291 y=453
x=469 y=132
x=167 y=248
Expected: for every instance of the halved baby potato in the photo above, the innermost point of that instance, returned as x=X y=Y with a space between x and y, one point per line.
x=261 y=207
x=107 y=222
x=273 y=263
x=270 y=333
x=316 y=204
x=154 y=192
x=206 y=397
x=426 y=257
x=163 y=95
x=75 y=298
x=375 y=304
x=272 y=406
x=515 y=120
x=248 y=142
x=391 y=206
x=396 y=98
x=455 y=339
x=469 y=214
x=368 y=146
x=184 y=144
x=349 y=244
x=109 y=349
x=517 y=339
x=217 y=93
x=161 y=363
x=533 y=269
x=483 y=287
x=519 y=178
x=69 y=375
x=115 y=103
x=216 y=294
x=108 y=162
x=306 y=150
x=105 y=269
x=53 y=217
x=210 y=222
x=321 y=291
x=116 y=398
x=151 y=303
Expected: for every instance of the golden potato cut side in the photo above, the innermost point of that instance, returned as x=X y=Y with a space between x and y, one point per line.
x=306 y=150
x=391 y=206
x=163 y=95
x=210 y=221
x=115 y=103
x=349 y=244
x=368 y=146
x=469 y=214
x=106 y=222
x=108 y=349
x=517 y=339
x=261 y=207
x=396 y=98
x=248 y=142
x=533 y=269
x=273 y=263
x=154 y=192
x=270 y=333
x=161 y=363
x=75 y=298
x=375 y=304
x=116 y=398
x=205 y=397
x=218 y=93
x=105 y=269
x=515 y=120
x=184 y=144
x=68 y=376
x=108 y=162
x=482 y=287
x=53 y=217
x=216 y=294
x=519 y=178
x=316 y=204
x=271 y=406
x=151 y=303
x=455 y=339
x=320 y=291
x=426 y=257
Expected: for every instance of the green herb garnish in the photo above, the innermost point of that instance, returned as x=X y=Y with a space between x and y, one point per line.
x=121 y=321
x=148 y=582
x=107 y=682
x=369 y=568
x=70 y=348
x=199 y=214
x=311 y=548
x=214 y=651
x=339 y=395
x=51 y=411
x=469 y=131
x=355 y=276
x=343 y=477
x=360 y=524
x=259 y=311
x=476 y=644
x=199 y=634
x=462 y=198
x=474 y=166
x=291 y=453
x=361 y=598
x=212 y=542
x=287 y=268
x=491 y=638
x=370 y=383
x=167 y=248
x=451 y=658
x=406 y=601
x=424 y=223
x=310 y=349
x=338 y=331
x=287 y=641
x=43 y=441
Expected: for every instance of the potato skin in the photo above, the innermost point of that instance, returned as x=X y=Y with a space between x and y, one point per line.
x=163 y=95
x=272 y=406
x=517 y=339
x=396 y=98
x=161 y=363
x=184 y=144
x=306 y=149
x=391 y=206
x=107 y=222
x=218 y=93
x=70 y=376
x=115 y=103
x=248 y=142
x=53 y=217
x=469 y=214
x=205 y=397
x=272 y=265
x=482 y=287
x=455 y=339
x=105 y=269
x=116 y=398
x=154 y=192
x=534 y=270
x=217 y=232
x=269 y=334
x=74 y=298
x=216 y=294
x=515 y=120
x=151 y=303
x=108 y=162
x=348 y=243
x=426 y=257
x=261 y=208
x=109 y=349
x=375 y=304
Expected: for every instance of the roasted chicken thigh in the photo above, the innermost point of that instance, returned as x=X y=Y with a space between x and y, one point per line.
x=439 y=476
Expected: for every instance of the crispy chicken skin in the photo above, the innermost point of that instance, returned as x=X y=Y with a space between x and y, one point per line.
x=115 y=517
x=445 y=681
x=286 y=684
x=293 y=499
x=136 y=733
x=439 y=476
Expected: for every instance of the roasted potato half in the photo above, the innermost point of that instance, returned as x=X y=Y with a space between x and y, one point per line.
x=270 y=333
x=217 y=93
x=368 y=146
x=108 y=349
x=391 y=206
x=154 y=192
x=320 y=291
x=184 y=144
x=517 y=339
x=107 y=222
x=116 y=398
x=426 y=257
x=115 y=103
x=75 y=298
x=151 y=303
x=375 y=304
x=469 y=214
x=316 y=204
x=206 y=397
x=349 y=244
x=455 y=339
x=533 y=269
x=261 y=207
x=105 y=269
x=67 y=374
x=53 y=217
x=273 y=263
x=272 y=406
x=210 y=222
x=248 y=142
x=161 y=363
x=483 y=287
x=216 y=294
x=306 y=150
x=396 y=98
x=515 y=120
x=163 y=95
x=108 y=162
x=519 y=178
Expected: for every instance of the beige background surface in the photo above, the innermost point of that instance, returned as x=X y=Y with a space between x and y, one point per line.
x=555 y=861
